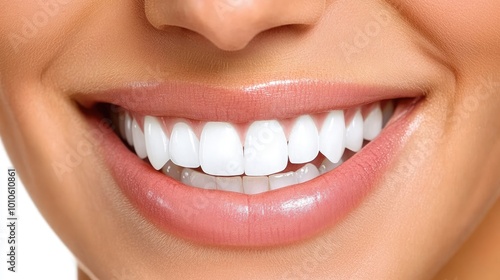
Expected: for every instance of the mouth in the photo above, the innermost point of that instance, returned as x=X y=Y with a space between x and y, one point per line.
x=263 y=165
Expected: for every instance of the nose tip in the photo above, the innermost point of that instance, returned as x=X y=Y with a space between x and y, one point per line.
x=232 y=24
x=231 y=28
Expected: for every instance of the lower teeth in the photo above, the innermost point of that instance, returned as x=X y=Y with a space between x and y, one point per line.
x=250 y=184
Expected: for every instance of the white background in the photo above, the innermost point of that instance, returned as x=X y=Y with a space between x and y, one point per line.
x=40 y=253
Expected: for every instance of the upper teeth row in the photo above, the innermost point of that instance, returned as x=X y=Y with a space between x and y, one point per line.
x=266 y=149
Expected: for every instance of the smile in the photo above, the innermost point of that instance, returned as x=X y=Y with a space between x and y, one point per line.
x=234 y=169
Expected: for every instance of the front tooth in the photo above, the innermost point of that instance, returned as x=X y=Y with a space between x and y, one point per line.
x=303 y=144
x=231 y=184
x=255 y=185
x=332 y=136
x=278 y=181
x=184 y=146
x=372 y=125
x=139 y=141
x=266 y=150
x=128 y=129
x=354 y=132
x=198 y=179
x=307 y=173
x=327 y=166
x=172 y=170
x=221 y=152
x=156 y=142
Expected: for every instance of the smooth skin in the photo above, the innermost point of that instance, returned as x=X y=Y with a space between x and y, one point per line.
x=434 y=215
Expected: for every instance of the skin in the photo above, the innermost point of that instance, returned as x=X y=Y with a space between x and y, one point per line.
x=427 y=216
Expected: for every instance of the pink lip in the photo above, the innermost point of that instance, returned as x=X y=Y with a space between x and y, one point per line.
x=274 y=100
x=278 y=217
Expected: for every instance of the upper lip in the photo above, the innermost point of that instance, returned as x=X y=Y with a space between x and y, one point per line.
x=270 y=100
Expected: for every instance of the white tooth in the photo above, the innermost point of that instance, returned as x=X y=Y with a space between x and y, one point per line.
x=121 y=125
x=303 y=144
x=372 y=125
x=266 y=150
x=307 y=173
x=278 y=181
x=221 y=152
x=156 y=142
x=184 y=146
x=332 y=136
x=354 y=132
x=388 y=111
x=128 y=129
x=172 y=170
x=231 y=184
x=327 y=166
x=139 y=141
x=197 y=179
x=255 y=185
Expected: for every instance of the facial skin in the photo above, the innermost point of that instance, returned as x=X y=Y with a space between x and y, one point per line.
x=434 y=196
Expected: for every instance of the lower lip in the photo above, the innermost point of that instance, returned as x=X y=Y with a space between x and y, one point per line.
x=278 y=217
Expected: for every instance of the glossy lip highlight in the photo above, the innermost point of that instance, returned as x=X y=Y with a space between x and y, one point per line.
x=274 y=218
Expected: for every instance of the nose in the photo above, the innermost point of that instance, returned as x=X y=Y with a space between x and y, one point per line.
x=232 y=24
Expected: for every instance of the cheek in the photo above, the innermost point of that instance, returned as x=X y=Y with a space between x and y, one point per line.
x=34 y=31
x=460 y=26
